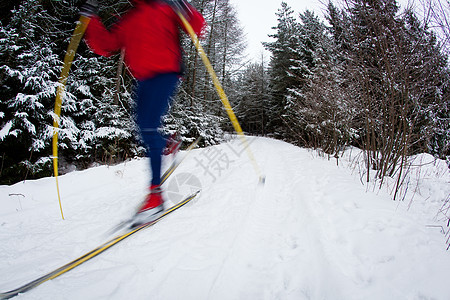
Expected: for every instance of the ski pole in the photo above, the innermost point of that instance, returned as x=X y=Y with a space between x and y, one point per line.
x=222 y=95
x=70 y=54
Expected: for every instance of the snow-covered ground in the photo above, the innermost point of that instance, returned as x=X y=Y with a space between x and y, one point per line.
x=312 y=231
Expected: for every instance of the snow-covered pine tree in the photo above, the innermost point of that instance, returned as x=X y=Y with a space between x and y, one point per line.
x=252 y=99
x=28 y=74
x=281 y=80
x=191 y=119
x=105 y=131
x=103 y=112
x=93 y=128
x=318 y=113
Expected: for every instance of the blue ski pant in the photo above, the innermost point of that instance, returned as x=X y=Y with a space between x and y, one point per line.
x=153 y=99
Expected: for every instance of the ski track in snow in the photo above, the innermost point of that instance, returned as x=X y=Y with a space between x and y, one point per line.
x=311 y=232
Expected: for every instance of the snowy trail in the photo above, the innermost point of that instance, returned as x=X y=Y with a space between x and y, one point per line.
x=311 y=232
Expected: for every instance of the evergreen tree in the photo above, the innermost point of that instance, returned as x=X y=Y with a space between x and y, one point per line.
x=281 y=80
x=318 y=111
x=191 y=121
x=33 y=45
x=28 y=73
x=252 y=100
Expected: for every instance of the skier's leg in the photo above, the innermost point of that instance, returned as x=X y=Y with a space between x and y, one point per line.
x=153 y=97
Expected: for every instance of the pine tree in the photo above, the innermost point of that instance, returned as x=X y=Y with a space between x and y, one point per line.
x=193 y=121
x=281 y=80
x=92 y=127
x=252 y=106
x=28 y=73
x=318 y=111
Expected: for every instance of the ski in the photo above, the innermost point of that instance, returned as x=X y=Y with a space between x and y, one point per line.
x=91 y=254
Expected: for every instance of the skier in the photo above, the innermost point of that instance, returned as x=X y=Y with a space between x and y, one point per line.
x=149 y=34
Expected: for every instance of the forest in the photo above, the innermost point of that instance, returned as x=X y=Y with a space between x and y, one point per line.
x=370 y=76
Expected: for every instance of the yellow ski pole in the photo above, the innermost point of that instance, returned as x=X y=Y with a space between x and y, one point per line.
x=222 y=95
x=70 y=54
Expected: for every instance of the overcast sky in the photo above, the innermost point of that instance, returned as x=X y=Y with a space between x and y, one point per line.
x=257 y=17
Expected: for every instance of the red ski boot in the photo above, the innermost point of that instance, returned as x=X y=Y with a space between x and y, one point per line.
x=152 y=207
x=173 y=144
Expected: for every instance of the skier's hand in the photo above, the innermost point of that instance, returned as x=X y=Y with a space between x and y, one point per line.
x=89 y=9
x=179 y=6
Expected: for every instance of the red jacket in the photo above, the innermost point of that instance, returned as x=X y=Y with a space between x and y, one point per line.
x=150 y=35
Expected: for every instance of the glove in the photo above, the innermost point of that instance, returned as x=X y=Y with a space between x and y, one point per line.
x=89 y=9
x=179 y=6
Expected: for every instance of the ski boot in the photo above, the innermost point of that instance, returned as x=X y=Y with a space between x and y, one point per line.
x=152 y=207
x=173 y=144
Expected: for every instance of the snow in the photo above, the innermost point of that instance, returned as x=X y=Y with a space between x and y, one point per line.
x=312 y=231
x=5 y=129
